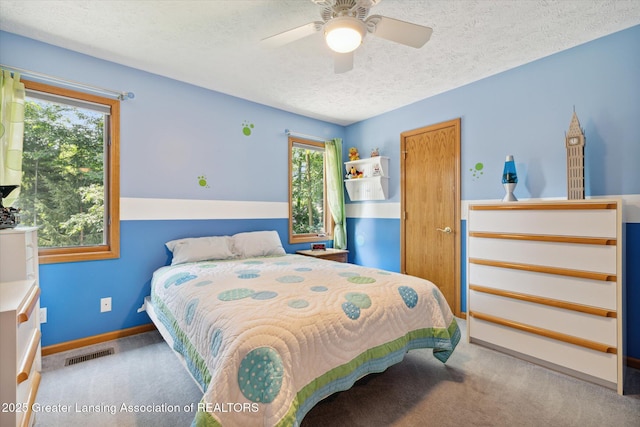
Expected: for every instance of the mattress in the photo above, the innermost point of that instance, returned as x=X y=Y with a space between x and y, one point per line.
x=267 y=338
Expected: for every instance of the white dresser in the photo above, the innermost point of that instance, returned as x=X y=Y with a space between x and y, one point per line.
x=546 y=285
x=20 y=360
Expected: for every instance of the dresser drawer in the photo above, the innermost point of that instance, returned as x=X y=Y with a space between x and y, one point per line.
x=27 y=320
x=19 y=251
x=27 y=393
x=596 y=258
x=580 y=359
x=560 y=222
x=590 y=327
x=595 y=293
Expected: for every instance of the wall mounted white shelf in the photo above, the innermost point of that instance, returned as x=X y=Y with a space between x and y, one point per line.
x=373 y=183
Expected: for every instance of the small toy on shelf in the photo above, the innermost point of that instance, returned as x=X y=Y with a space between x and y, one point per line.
x=354 y=173
x=375 y=152
x=353 y=154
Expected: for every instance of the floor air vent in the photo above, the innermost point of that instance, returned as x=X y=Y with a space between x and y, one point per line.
x=90 y=356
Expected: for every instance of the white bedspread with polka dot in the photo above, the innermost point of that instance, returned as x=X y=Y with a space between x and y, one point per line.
x=268 y=338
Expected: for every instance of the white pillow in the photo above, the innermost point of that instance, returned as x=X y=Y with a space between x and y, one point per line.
x=200 y=249
x=257 y=243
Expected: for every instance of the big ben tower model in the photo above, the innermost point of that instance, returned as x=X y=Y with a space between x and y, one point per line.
x=575 y=140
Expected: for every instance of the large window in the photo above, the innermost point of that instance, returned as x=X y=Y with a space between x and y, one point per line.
x=309 y=216
x=70 y=182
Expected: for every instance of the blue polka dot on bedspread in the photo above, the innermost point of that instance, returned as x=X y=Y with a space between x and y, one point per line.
x=409 y=295
x=179 y=279
x=191 y=310
x=351 y=310
x=216 y=342
x=260 y=375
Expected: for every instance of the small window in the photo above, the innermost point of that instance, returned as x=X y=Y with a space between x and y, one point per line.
x=70 y=182
x=309 y=216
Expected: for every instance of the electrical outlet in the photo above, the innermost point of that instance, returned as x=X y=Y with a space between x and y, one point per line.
x=43 y=315
x=105 y=304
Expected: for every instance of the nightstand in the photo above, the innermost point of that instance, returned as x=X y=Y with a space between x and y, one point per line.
x=339 y=255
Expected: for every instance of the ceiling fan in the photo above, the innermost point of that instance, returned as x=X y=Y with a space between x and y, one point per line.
x=345 y=23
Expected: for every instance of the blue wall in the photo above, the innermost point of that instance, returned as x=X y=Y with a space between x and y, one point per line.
x=525 y=112
x=173 y=133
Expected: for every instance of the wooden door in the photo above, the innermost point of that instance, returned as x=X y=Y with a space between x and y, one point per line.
x=430 y=206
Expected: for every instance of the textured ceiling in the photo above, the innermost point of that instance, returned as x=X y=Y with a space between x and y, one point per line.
x=214 y=44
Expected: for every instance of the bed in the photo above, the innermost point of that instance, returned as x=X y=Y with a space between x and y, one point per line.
x=267 y=335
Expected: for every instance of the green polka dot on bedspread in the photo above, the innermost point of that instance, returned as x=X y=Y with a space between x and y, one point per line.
x=361 y=280
x=290 y=279
x=298 y=303
x=234 y=294
x=260 y=375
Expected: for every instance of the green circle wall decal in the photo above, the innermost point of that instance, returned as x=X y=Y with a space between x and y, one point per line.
x=246 y=128
x=477 y=170
x=202 y=181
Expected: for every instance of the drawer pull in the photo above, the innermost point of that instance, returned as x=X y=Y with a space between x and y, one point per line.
x=29 y=357
x=28 y=304
x=592 y=275
x=545 y=333
x=544 y=206
x=596 y=311
x=31 y=399
x=604 y=241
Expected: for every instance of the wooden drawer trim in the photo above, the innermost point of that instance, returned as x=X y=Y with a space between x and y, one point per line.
x=31 y=399
x=592 y=275
x=546 y=238
x=596 y=311
x=28 y=304
x=30 y=356
x=545 y=333
x=544 y=206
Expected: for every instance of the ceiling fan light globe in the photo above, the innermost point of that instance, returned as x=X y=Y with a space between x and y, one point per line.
x=344 y=34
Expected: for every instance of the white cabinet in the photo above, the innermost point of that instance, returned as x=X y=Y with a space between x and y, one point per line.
x=370 y=180
x=20 y=359
x=545 y=284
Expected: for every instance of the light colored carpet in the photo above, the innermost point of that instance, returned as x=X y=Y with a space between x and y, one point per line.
x=476 y=387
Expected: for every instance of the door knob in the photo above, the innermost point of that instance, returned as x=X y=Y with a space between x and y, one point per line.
x=445 y=230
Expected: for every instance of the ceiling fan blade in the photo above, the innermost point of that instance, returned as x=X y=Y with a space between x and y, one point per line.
x=292 y=35
x=342 y=62
x=402 y=32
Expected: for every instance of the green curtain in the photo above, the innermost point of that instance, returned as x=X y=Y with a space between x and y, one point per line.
x=335 y=196
x=11 y=131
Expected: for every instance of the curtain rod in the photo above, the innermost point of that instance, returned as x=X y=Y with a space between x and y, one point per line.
x=122 y=96
x=303 y=135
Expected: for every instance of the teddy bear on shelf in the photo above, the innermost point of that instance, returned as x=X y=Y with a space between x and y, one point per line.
x=353 y=154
